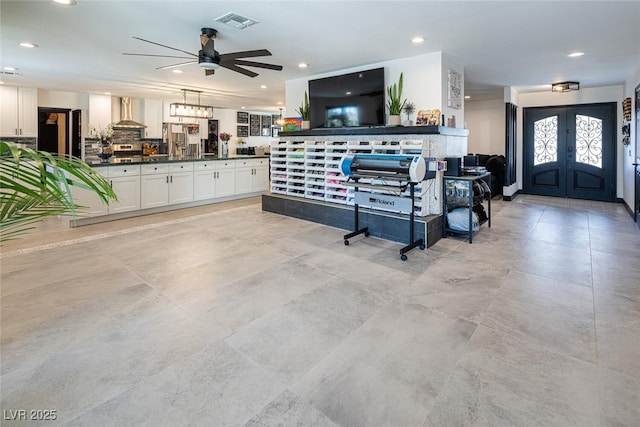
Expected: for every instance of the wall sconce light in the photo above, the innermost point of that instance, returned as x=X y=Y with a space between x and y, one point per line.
x=182 y=109
x=565 y=86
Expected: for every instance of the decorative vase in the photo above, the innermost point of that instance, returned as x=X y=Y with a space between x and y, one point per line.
x=225 y=148
x=394 y=120
x=105 y=150
x=306 y=125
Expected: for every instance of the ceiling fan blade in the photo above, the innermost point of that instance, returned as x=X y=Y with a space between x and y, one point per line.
x=157 y=56
x=245 y=54
x=165 y=67
x=209 y=72
x=168 y=47
x=258 y=65
x=237 y=69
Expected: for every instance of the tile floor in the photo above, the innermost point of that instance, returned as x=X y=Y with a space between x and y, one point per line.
x=227 y=315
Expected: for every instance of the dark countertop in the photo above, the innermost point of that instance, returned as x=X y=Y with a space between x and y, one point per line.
x=142 y=160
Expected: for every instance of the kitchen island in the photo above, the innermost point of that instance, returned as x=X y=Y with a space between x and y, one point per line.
x=151 y=184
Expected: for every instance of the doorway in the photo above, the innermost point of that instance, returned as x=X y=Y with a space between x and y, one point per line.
x=569 y=151
x=54 y=130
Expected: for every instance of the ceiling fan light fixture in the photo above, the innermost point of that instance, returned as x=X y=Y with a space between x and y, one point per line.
x=562 y=87
x=208 y=63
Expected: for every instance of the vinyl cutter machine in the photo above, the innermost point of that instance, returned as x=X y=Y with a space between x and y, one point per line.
x=408 y=169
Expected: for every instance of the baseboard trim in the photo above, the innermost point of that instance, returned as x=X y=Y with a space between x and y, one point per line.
x=511 y=197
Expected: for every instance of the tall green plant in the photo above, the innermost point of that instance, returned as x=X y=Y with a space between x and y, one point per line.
x=304 y=108
x=36 y=184
x=395 y=103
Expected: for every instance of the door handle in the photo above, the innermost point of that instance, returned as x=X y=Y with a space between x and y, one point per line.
x=570 y=149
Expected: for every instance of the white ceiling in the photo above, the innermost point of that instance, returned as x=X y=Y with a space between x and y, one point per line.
x=503 y=43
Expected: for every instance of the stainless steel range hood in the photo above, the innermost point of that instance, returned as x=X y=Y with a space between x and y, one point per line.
x=126 y=117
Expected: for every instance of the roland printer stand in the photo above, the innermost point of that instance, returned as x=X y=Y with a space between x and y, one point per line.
x=397 y=168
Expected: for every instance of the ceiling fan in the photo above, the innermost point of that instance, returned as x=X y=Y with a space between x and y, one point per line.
x=210 y=59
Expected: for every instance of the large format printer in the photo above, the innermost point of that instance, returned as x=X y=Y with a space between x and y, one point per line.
x=407 y=170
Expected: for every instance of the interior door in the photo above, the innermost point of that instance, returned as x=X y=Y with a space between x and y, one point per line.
x=570 y=151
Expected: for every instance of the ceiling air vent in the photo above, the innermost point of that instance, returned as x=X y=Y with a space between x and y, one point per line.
x=236 y=21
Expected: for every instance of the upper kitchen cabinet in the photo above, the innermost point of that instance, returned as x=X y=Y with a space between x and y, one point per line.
x=99 y=112
x=19 y=108
x=153 y=118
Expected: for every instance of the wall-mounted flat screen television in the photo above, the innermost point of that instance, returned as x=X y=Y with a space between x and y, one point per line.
x=347 y=100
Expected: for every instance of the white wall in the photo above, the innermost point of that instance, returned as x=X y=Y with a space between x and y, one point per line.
x=486 y=123
x=424 y=76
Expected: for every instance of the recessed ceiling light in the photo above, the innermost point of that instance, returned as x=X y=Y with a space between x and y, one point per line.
x=9 y=68
x=303 y=65
x=348 y=92
x=28 y=44
x=575 y=54
x=107 y=93
x=243 y=107
x=467 y=97
x=279 y=102
x=263 y=86
x=66 y=2
x=417 y=40
x=178 y=71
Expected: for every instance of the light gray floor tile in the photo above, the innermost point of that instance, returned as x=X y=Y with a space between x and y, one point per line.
x=550 y=313
x=556 y=262
x=289 y=410
x=620 y=399
x=619 y=273
x=289 y=341
x=210 y=386
x=457 y=288
x=503 y=381
x=618 y=332
x=390 y=370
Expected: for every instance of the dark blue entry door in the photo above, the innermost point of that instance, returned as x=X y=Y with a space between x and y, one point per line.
x=570 y=151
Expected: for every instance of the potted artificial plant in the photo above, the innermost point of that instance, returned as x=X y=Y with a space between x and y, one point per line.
x=395 y=103
x=409 y=109
x=304 y=112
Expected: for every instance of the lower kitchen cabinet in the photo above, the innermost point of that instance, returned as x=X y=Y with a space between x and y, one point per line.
x=156 y=185
x=180 y=183
x=213 y=179
x=166 y=184
x=125 y=182
x=226 y=178
x=252 y=175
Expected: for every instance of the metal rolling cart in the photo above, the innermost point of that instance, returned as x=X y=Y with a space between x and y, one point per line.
x=457 y=193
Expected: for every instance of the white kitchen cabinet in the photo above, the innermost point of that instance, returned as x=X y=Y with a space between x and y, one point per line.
x=204 y=184
x=154 y=185
x=125 y=181
x=153 y=118
x=19 y=109
x=180 y=182
x=252 y=175
x=99 y=113
x=89 y=199
x=166 y=184
x=225 y=178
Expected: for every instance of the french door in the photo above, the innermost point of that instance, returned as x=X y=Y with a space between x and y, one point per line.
x=570 y=151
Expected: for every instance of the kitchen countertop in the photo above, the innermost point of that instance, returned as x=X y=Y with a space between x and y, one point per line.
x=141 y=160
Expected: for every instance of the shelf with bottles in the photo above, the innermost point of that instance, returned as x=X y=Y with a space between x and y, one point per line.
x=315 y=169
x=335 y=190
x=278 y=167
x=295 y=168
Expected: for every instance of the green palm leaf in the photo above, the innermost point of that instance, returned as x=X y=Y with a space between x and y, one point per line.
x=36 y=184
